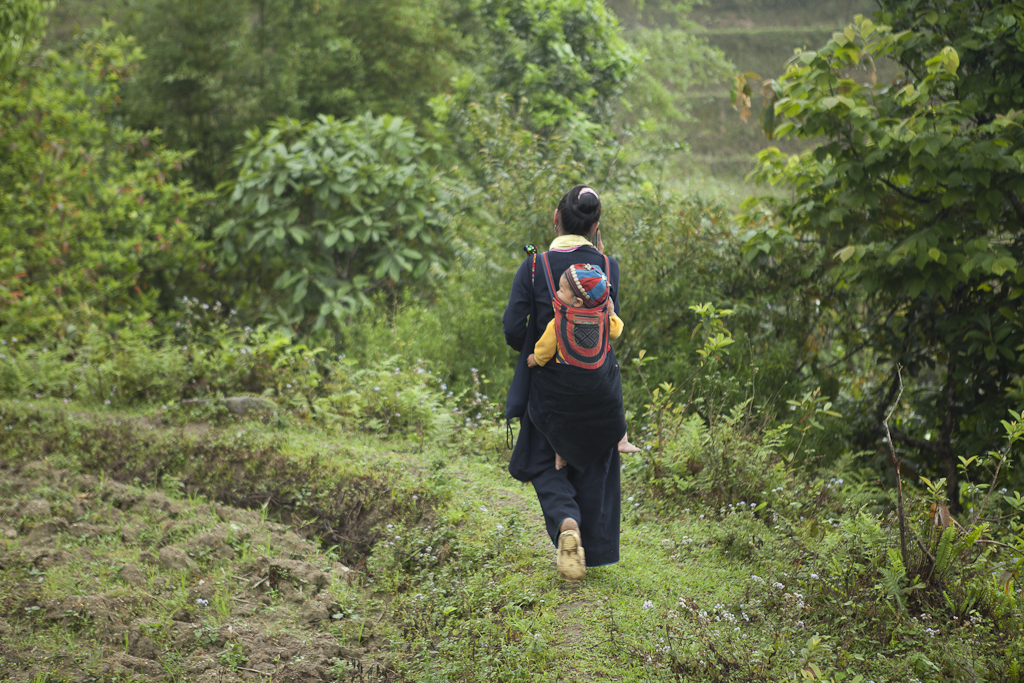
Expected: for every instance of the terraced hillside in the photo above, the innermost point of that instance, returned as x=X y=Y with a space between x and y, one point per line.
x=757 y=36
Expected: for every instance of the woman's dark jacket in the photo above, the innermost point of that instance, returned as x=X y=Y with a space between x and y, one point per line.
x=529 y=311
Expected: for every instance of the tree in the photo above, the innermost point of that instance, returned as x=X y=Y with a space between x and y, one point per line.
x=93 y=228
x=905 y=222
x=214 y=70
x=21 y=23
x=678 y=67
x=330 y=211
x=566 y=59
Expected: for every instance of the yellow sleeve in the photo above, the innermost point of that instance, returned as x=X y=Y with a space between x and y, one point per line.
x=615 y=326
x=546 y=346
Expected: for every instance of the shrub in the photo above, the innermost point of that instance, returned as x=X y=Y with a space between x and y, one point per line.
x=95 y=230
x=330 y=211
x=715 y=465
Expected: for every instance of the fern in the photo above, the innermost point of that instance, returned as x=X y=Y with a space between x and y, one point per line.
x=970 y=539
x=893 y=578
x=945 y=550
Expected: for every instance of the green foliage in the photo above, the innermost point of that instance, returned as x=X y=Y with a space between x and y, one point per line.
x=389 y=397
x=215 y=70
x=233 y=656
x=565 y=58
x=523 y=175
x=141 y=365
x=464 y=597
x=657 y=237
x=330 y=211
x=188 y=376
x=95 y=231
x=717 y=465
x=678 y=66
x=903 y=223
x=21 y=23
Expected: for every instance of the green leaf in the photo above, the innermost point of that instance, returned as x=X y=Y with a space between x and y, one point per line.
x=768 y=121
x=300 y=291
x=950 y=59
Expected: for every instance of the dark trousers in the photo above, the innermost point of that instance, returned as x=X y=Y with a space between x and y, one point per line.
x=592 y=497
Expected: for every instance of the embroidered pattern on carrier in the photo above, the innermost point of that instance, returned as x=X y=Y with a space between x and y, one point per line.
x=582 y=333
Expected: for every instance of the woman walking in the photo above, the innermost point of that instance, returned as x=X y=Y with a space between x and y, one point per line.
x=580 y=409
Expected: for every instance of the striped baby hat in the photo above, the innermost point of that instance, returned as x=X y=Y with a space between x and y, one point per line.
x=588 y=282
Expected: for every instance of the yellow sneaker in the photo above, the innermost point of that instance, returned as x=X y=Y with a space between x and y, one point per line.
x=571 y=563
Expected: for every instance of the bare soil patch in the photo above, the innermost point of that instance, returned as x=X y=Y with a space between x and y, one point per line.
x=102 y=580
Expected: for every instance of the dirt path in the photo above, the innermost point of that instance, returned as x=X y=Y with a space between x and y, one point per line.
x=576 y=611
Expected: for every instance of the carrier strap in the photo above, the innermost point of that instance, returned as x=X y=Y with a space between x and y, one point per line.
x=547 y=272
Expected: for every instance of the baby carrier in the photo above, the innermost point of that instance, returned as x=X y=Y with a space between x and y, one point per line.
x=582 y=333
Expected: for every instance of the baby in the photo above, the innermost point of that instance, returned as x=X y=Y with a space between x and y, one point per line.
x=547 y=346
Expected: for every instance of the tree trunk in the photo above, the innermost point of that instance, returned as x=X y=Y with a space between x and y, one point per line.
x=945 y=438
x=941 y=447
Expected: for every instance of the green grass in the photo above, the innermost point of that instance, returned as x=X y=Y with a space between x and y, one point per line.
x=457 y=582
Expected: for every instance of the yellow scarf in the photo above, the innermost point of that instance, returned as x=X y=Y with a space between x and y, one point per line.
x=564 y=242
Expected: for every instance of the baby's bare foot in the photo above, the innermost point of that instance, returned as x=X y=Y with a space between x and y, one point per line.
x=559 y=462
x=626 y=447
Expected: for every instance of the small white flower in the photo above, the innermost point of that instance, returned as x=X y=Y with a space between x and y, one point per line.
x=648 y=604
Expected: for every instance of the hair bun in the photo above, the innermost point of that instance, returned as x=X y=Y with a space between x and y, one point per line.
x=578 y=210
x=587 y=201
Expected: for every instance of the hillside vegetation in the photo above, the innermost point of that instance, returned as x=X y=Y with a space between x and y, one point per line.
x=253 y=261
